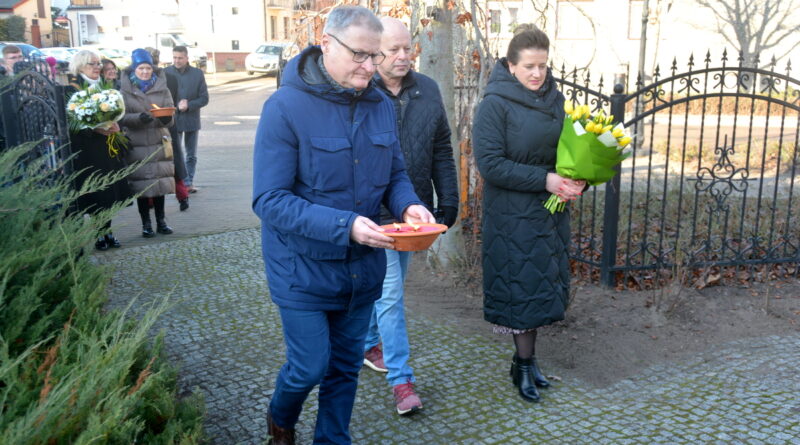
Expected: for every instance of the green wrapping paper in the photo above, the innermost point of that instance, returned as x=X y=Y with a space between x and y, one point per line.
x=583 y=157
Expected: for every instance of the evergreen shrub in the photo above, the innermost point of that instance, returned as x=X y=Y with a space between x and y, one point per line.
x=71 y=372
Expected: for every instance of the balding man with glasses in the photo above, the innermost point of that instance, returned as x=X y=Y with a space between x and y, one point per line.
x=326 y=157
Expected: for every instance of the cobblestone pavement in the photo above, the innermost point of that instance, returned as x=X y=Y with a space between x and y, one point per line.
x=225 y=334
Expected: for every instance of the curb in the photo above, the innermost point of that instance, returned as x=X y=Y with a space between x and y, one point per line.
x=236 y=80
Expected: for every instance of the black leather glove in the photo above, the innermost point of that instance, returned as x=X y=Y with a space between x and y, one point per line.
x=164 y=119
x=145 y=118
x=446 y=215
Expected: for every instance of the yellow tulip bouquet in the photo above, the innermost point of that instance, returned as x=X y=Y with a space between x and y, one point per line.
x=589 y=148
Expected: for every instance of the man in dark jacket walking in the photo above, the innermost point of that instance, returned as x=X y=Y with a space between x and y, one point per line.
x=326 y=157
x=425 y=141
x=192 y=96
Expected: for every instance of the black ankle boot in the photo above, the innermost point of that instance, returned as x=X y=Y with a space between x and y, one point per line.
x=147 y=229
x=101 y=244
x=522 y=376
x=538 y=378
x=112 y=241
x=162 y=227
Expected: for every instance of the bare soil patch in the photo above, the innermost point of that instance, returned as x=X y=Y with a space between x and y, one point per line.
x=609 y=335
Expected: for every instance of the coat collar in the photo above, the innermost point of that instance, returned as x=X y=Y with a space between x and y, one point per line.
x=303 y=73
x=409 y=81
x=502 y=83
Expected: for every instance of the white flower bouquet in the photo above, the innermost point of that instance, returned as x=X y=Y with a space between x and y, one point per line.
x=98 y=107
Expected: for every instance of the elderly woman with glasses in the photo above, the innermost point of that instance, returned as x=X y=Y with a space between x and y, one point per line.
x=92 y=156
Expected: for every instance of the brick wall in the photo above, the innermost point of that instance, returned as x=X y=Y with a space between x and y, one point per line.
x=228 y=61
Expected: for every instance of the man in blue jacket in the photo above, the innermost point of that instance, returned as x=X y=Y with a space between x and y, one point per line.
x=326 y=157
x=425 y=141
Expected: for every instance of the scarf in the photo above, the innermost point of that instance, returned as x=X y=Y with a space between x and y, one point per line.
x=88 y=80
x=143 y=85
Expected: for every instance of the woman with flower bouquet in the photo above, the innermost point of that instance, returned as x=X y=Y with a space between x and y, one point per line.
x=525 y=263
x=90 y=142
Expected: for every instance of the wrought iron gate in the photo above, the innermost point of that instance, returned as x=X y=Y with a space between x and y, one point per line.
x=711 y=179
x=33 y=110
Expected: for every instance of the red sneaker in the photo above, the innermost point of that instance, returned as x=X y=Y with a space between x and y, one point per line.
x=406 y=399
x=374 y=358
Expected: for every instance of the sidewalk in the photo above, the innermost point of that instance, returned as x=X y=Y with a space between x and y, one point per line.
x=225 y=334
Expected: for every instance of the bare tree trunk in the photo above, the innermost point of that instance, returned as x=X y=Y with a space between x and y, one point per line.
x=436 y=61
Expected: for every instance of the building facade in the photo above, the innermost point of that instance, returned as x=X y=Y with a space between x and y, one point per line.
x=38 y=19
x=604 y=36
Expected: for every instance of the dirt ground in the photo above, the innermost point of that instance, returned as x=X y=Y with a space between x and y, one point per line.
x=610 y=335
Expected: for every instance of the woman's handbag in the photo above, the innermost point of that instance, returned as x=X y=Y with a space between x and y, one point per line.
x=167 y=144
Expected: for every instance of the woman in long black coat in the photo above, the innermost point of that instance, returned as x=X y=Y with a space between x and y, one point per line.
x=525 y=263
x=92 y=156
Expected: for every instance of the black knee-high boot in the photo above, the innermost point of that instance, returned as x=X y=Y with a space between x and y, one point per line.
x=144 y=212
x=522 y=376
x=161 y=222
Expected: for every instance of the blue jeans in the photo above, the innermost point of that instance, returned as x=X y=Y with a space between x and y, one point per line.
x=187 y=140
x=389 y=320
x=325 y=348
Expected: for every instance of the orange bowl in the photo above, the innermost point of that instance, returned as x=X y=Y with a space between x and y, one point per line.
x=408 y=240
x=161 y=112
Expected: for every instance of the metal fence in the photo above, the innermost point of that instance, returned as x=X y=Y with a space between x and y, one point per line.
x=33 y=111
x=711 y=179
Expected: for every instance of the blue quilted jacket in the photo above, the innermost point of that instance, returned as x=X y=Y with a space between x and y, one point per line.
x=321 y=158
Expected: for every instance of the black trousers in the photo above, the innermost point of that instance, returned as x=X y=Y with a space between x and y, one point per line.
x=144 y=208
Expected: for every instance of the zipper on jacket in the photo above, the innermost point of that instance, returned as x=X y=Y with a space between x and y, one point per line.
x=353 y=119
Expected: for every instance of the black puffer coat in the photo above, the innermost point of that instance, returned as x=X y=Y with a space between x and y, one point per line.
x=525 y=263
x=92 y=158
x=425 y=140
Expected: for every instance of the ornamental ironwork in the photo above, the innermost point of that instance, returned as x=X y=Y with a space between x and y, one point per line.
x=712 y=177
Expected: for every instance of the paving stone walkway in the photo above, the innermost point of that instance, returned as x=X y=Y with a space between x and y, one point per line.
x=225 y=334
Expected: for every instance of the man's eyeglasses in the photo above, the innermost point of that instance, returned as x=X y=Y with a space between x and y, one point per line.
x=94 y=64
x=361 y=56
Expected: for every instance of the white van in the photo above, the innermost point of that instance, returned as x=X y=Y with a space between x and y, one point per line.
x=168 y=40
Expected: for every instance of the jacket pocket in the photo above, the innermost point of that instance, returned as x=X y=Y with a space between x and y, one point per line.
x=381 y=157
x=314 y=249
x=331 y=163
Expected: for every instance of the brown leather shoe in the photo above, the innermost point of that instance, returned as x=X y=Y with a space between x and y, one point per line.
x=279 y=436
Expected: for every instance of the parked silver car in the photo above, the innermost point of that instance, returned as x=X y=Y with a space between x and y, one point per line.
x=265 y=59
x=60 y=53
